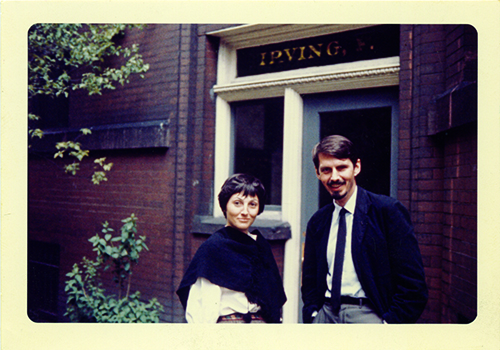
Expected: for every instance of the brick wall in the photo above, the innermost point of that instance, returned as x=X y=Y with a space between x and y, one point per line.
x=154 y=97
x=167 y=186
x=164 y=187
x=437 y=176
x=459 y=273
x=68 y=210
x=148 y=182
x=461 y=55
x=420 y=171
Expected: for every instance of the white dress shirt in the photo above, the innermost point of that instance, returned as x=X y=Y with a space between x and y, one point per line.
x=350 y=282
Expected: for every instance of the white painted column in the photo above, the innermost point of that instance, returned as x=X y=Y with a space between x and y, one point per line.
x=226 y=71
x=291 y=201
x=223 y=148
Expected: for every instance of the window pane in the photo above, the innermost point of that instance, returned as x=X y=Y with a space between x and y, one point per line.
x=258 y=143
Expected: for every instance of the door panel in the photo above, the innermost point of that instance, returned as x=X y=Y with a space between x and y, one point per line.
x=370 y=131
x=368 y=117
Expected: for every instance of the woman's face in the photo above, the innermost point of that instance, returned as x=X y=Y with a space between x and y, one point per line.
x=241 y=211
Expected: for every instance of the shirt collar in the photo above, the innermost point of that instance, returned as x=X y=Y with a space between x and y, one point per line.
x=350 y=206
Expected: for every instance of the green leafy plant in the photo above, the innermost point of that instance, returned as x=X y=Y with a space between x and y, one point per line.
x=88 y=301
x=63 y=57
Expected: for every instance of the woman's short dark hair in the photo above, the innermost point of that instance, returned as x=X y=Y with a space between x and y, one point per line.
x=336 y=146
x=248 y=184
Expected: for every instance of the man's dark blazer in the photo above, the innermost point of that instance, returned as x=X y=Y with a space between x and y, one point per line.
x=386 y=258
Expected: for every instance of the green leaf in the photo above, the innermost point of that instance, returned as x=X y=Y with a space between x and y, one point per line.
x=36 y=133
x=97 y=304
x=125 y=235
x=109 y=250
x=78 y=278
x=107 y=167
x=60 y=145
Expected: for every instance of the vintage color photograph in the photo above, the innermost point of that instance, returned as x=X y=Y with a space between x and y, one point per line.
x=134 y=128
x=189 y=164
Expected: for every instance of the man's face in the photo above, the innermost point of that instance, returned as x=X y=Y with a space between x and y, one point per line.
x=338 y=176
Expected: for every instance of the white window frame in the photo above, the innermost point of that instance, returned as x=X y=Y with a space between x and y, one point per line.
x=290 y=85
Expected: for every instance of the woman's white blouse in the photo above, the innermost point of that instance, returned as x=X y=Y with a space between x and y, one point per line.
x=208 y=301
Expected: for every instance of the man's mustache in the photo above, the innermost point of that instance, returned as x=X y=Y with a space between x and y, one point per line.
x=336 y=183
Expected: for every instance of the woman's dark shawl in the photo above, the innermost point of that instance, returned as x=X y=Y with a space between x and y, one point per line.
x=232 y=259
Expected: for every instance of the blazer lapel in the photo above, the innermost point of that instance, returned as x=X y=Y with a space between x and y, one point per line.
x=360 y=216
x=325 y=233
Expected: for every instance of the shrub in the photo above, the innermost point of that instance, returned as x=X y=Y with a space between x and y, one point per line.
x=88 y=301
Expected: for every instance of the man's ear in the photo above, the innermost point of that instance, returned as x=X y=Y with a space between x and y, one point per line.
x=317 y=172
x=357 y=167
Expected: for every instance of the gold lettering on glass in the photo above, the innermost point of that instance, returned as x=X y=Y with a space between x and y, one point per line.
x=315 y=50
x=275 y=55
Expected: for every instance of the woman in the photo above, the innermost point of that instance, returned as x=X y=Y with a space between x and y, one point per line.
x=233 y=276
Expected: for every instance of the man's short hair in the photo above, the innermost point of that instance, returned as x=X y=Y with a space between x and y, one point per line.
x=337 y=146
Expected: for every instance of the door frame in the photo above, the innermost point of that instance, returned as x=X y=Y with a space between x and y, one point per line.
x=342 y=101
x=292 y=85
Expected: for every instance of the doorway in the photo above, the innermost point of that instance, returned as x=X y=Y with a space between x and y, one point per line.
x=370 y=131
x=369 y=118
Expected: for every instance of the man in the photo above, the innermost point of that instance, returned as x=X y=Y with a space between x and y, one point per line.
x=382 y=276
